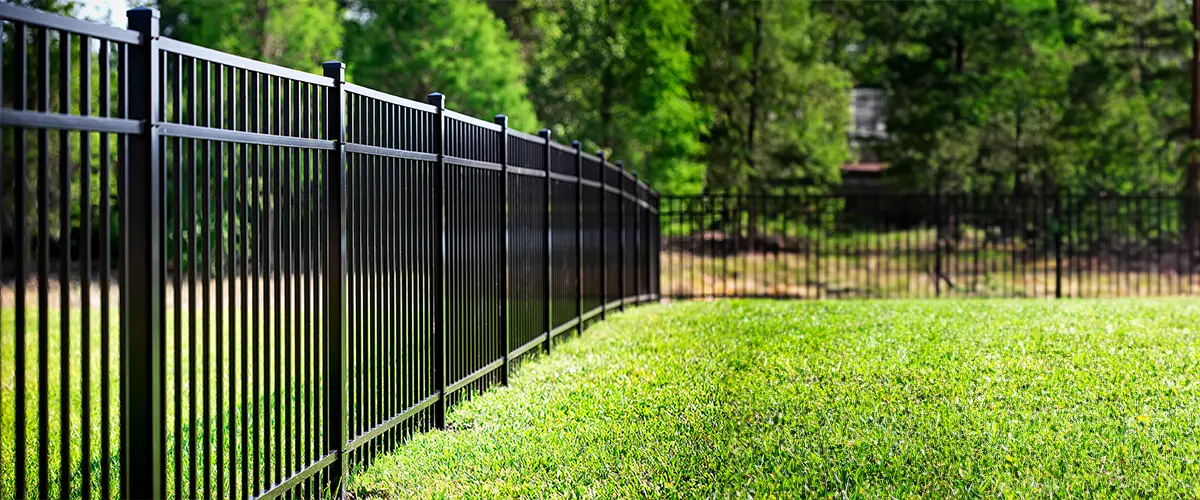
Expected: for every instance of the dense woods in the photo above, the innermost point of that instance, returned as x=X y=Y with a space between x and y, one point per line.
x=992 y=96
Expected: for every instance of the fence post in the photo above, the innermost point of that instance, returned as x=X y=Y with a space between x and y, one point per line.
x=439 y=280
x=505 y=333
x=335 y=278
x=603 y=235
x=621 y=246
x=143 y=451
x=578 y=235
x=547 y=228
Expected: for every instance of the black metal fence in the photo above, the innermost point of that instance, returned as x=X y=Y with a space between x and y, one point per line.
x=879 y=245
x=231 y=279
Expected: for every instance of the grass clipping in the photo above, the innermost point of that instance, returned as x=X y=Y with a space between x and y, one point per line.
x=1068 y=398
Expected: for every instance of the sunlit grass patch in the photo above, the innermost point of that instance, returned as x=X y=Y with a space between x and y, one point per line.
x=854 y=398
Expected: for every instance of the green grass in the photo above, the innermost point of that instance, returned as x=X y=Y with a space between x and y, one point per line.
x=53 y=393
x=76 y=405
x=846 y=399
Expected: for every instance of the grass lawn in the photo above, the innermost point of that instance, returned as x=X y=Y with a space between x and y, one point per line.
x=855 y=398
x=189 y=360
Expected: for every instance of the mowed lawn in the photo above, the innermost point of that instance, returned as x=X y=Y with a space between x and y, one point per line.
x=869 y=398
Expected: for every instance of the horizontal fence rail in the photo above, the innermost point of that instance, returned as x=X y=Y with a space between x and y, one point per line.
x=901 y=246
x=228 y=279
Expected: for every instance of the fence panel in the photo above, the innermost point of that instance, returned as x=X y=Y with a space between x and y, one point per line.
x=593 y=247
x=233 y=279
x=613 y=206
x=629 y=237
x=393 y=265
x=527 y=240
x=564 y=231
x=474 y=241
x=66 y=124
x=242 y=150
x=900 y=246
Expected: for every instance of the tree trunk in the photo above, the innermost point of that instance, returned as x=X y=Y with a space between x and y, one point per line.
x=608 y=80
x=264 y=39
x=960 y=54
x=755 y=73
x=1193 y=172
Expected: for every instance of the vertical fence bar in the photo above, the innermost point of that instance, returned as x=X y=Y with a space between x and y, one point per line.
x=206 y=279
x=228 y=116
x=603 y=235
x=1072 y=219
x=637 y=247
x=1189 y=247
x=335 y=279
x=174 y=113
x=142 y=471
x=937 y=243
x=191 y=239
x=656 y=235
x=548 y=228
x=505 y=310
x=21 y=251
x=651 y=239
x=85 y=271
x=274 y=275
x=241 y=206
x=621 y=246
x=439 y=280
x=1159 y=232
x=64 y=266
x=19 y=164
x=1057 y=234
x=21 y=246
x=578 y=235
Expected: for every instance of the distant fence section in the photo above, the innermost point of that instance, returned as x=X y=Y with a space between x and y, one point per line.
x=228 y=279
x=902 y=246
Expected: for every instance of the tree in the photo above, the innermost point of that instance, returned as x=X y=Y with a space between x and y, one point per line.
x=1127 y=107
x=299 y=34
x=965 y=93
x=779 y=106
x=456 y=47
x=616 y=75
x=1023 y=96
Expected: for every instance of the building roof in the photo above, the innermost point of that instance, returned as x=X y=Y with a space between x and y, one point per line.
x=864 y=167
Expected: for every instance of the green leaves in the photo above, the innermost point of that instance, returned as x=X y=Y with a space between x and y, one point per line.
x=981 y=96
x=456 y=47
x=298 y=34
x=780 y=111
x=1005 y=96
x=616 y=75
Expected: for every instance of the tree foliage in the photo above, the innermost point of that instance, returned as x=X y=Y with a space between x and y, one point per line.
x=1001 y=96
x=298 y=34
x=1019 y=96
x=456 y=47
x=616 y=75
x=779 y=107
